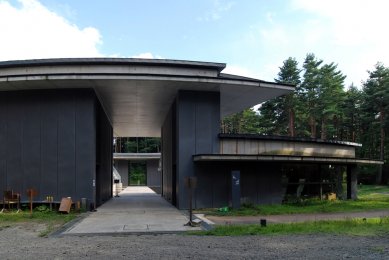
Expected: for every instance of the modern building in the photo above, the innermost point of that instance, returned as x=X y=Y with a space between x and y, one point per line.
x=58 y=118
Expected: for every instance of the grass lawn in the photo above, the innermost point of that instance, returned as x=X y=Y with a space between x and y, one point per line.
x=356 y=227
x=51 y=219
x=370 y=197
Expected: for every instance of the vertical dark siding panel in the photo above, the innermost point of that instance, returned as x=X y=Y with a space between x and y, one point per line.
x=186 y=143
x=103 y=157
x=153 y=176
x=248 y=180
x=66 y=146
x=205 y=173
x=14 y=143
x=48 y=142
x=197 y=132
x=31 y=141
x=85 y=143
x=167 y=155
x=49 y=147
x=3 y=142
x=221 y=182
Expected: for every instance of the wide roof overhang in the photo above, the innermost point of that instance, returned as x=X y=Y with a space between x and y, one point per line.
x=138 y=93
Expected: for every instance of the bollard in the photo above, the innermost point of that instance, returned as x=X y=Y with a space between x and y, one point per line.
x=84 y=203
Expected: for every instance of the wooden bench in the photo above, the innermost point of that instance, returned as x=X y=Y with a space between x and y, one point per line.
x=11 y=197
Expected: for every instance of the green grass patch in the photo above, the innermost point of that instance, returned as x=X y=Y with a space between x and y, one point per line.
x=357 y=227
x=51 y=219
x=370 y=197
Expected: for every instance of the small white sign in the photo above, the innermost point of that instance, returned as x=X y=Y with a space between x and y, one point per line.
x=94 y=183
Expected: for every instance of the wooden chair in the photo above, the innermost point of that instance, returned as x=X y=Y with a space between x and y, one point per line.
x=11 y=197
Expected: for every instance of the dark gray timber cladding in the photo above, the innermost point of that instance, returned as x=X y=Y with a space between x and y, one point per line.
x=48 y=142
x=198 y=122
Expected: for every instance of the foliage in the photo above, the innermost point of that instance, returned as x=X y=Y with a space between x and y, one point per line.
x=321 y=107
x=242 y=122
x=137 y=173
x=138 y=145
x=355 y=227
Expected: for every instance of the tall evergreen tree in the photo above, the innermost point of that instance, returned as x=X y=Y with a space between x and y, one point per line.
x=376 y=90
x=289 y=74
x=309 y=91
x=330 y=96
x=351 y=109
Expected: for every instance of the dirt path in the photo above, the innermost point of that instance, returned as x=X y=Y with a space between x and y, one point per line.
x=23 y=243
x=222 y=220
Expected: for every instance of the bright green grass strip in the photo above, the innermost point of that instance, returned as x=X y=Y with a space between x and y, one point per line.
x=371 y=197
x=36 y=216
x=358 y=227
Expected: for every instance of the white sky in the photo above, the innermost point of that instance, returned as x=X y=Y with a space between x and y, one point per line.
x=252 y=37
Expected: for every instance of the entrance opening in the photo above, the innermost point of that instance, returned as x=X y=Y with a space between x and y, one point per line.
x=137 y=173
x=137 y=160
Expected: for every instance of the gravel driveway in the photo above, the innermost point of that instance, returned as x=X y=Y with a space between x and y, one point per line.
x=23 y=242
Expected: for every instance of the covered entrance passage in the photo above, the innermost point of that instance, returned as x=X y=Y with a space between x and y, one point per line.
x=137 y=210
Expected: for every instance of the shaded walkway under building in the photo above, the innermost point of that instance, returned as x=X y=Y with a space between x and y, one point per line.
x=137 y=210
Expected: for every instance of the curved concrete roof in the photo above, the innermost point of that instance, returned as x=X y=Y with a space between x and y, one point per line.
x=137 y=93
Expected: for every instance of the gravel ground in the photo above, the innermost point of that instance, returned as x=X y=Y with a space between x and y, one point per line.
x=22 y=242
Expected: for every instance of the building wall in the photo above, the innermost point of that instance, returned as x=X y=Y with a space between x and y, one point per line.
x=241 y=146
x=260 y=183
x=168 y=156
x=153 y=175
x=104 y=153
x=122 y=167
x=197 y=126
x=48 y=142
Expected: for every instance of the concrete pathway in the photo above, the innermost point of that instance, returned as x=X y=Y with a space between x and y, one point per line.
x=223 y=220
x=137 y=210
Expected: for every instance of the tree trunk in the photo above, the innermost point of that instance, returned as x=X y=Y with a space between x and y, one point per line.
x=313 y=126
x=291 y=122
x=382 y=144
x=323 y=129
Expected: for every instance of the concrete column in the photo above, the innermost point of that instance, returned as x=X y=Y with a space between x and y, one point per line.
x=339 y=182
x=352 y=184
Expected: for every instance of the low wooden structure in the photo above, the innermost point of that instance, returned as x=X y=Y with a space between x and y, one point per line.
x=11 y=197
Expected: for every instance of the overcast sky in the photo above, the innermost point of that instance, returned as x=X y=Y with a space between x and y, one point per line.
x=253 y=37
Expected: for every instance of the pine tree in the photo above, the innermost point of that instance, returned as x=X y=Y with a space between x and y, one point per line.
x=309 y=91
x=376 y=90
x=330 y=96
x=289 y=74
x=350 y=123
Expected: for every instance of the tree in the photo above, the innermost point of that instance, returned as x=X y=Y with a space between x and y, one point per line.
x=245 y=121
x=289 y=74
x=350 y=123
x=376 y=90
x=309 y=92
x=330 y=95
